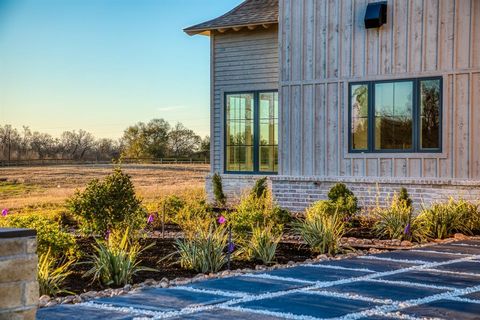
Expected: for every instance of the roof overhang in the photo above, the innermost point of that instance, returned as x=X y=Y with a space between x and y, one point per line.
x=223 y=29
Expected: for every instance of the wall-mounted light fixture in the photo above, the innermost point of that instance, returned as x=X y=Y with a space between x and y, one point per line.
x=376 y=15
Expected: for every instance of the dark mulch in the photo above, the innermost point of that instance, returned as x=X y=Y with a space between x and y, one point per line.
x=153 y=256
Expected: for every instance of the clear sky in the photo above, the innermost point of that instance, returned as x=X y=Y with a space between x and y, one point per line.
x=101 y=65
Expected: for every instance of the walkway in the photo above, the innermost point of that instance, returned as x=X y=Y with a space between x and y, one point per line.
x=441 y=281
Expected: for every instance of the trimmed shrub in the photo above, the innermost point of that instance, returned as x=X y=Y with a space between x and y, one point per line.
x=220 y=197
x=253 y=211
x=116 y=259
x=260 y=187
x=108 y=204
x=51 y=237
x=403 y=196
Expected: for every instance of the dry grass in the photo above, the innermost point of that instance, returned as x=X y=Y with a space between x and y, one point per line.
x=32 y=188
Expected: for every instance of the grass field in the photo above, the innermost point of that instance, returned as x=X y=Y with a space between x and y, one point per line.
x=47 y=187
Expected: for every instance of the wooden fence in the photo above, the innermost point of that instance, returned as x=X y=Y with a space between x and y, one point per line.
x=52 y=162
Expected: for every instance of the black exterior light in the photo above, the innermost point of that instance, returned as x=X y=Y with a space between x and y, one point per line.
x=376 y=15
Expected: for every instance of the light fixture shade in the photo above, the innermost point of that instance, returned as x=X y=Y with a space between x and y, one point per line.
x=376 y=15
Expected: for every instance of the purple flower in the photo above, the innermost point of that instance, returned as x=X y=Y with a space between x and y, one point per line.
x=231 y=247
x=407 y=229
x=4 y=212
x=221 y=220
x=107 y=234
x=150 y=219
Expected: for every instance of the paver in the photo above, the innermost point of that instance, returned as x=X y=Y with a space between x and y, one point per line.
x=441 y=281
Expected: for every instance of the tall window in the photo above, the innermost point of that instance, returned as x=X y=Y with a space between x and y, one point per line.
x=251 y=132
x=396 y=116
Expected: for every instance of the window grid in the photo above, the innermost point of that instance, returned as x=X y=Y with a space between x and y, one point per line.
x=261 y=155
x=417 y=123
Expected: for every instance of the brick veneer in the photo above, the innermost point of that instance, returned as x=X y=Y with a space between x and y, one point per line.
x=18 y=274
x=297 y=193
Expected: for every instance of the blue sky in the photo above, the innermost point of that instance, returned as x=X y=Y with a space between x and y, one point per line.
x=101 y=65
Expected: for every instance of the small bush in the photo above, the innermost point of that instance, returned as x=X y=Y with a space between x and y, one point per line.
x=116 y=260
x=397 y=222
x=50 y=235
x=204 y=252
x=260 y=187
x=322 y=232
x=253 y=211
x=442 y=220
x=52 y=274
x=220 y=197
x=108 y=204
x=194 y=215
x=263 y=244
x=341 y=201
x=403 y=196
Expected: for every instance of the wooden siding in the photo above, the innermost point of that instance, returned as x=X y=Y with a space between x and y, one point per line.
x=324 y=45
x=241 y=61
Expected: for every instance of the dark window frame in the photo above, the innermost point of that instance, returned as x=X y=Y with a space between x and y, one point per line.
x=256 y=132
x=416 y=115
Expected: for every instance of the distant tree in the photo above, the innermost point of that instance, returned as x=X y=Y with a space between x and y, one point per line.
x=43 y=145
x=205 y=146
x=183 y=142
x=146 y=140
x=76 y=144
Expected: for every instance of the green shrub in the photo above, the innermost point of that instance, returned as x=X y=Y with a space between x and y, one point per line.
x=263 y=244
x=403 y=196
x=108 y=204
x=397 y=222
x=218 y=190
x=253 y=211
x=116 y=260
x=194 y=215
x=204 y=252
x=341 y=201
x=322 y=232
x=52 y=273
x=442 y=220
x=260 y=187
x=50 y=235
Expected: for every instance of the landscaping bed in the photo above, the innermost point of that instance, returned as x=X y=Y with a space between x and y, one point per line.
x=154 y=257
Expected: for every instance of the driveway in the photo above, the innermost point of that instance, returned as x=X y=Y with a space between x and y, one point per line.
x=439 y=282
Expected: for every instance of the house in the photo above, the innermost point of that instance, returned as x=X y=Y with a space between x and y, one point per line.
x=377 y=95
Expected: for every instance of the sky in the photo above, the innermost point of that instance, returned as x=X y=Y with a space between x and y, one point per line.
x=102 y=65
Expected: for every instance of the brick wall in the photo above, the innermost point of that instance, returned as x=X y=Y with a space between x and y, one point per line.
x=297 y=193
x=18 y=274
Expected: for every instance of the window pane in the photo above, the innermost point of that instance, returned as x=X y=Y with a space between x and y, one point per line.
x=239 y=132
x=393 y=115
x=430 y=114
x=359 y=108
x=268 y=159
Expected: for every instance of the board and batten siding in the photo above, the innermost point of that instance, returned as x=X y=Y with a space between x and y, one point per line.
x=241 y=61
x=324 y=45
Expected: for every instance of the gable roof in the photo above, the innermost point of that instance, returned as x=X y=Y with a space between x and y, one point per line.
x=250 y=13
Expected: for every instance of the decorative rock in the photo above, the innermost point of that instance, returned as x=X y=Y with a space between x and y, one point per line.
x=322 y=257
x=460 y=236
x=290 y=263
x=127 y=287
x=51 y=303
x=44 y=299
x=149 y=282
x=406 y=243
x=77 y=299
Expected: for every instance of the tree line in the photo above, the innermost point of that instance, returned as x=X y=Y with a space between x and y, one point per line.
x=152 y=140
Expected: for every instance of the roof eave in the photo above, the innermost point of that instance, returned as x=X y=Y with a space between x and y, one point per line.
x=208 y=31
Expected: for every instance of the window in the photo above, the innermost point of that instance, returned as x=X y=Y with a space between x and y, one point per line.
x=395 y=116
x=251 y=132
